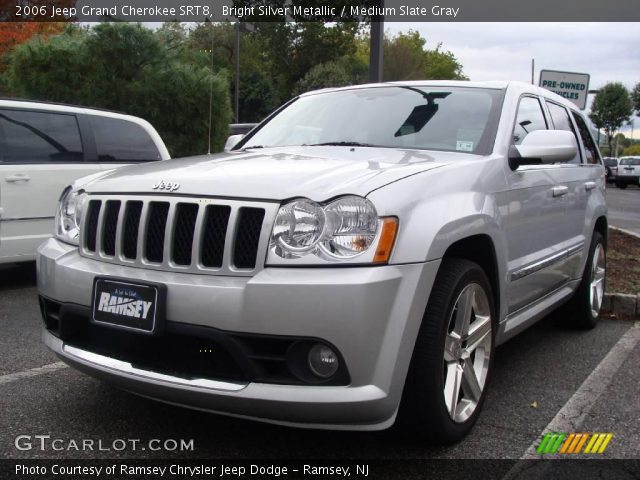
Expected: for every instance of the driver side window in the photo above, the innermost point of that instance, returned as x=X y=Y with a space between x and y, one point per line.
x=529 y=119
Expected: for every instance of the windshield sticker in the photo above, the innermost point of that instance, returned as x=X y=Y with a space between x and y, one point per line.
x=464 y=146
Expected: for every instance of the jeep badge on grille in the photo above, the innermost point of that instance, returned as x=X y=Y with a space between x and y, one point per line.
x=169 y=186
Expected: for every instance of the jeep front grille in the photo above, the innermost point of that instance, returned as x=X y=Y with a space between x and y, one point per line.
x=209 y=236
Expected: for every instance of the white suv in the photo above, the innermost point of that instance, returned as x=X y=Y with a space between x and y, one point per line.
x=45 y=147
x=628 y=171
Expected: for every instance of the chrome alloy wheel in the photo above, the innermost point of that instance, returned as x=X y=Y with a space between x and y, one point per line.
x=596 y=290
x=467 y=351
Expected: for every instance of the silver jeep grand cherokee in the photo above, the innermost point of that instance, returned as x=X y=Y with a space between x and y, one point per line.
x=354 y=260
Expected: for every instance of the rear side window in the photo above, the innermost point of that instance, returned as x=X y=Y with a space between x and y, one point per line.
x=39 y=137
x=121 y=141
x=562 y=121
x=529 y=119
x=591 y=151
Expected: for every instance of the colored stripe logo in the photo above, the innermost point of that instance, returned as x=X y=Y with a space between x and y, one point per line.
x=573 y=443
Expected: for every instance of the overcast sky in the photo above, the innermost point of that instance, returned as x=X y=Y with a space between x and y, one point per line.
x=503 y=51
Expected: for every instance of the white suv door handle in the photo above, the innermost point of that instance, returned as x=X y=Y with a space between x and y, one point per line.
x=589 y=185
x=18 y=177
x=560 y=191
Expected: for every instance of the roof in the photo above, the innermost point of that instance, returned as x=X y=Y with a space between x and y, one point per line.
x=42 y=104
x=516 y=86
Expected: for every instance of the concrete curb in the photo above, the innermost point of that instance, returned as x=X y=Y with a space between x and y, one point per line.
x=622 y=305
x=628 y=232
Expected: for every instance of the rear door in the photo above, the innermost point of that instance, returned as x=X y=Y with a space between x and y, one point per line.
x=41 y=152
x=580 y=177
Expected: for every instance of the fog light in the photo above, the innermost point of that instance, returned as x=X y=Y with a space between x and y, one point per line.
x=323 y=361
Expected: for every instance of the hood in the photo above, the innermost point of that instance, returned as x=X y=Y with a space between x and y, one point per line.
x=317 y=173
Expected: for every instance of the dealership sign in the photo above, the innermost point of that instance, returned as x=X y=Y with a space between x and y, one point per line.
x=572 y=86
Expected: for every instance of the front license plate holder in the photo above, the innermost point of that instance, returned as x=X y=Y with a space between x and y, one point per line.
x=129 y=305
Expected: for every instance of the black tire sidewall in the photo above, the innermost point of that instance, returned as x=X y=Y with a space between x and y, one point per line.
x=424 y=396
x=585 y=318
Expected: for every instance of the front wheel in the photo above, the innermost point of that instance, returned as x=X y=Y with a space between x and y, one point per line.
x=621 y=185
x=453 y=356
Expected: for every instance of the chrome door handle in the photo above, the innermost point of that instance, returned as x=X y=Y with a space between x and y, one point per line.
x=589 y=185
x=560 y=191
x=18 y=177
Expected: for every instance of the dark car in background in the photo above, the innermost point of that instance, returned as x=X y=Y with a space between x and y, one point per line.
x=611 y=167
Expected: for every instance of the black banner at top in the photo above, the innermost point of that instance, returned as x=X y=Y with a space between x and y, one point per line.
x=320 y=10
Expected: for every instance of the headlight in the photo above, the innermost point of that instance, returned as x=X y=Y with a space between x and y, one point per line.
x=69 y=216
x=347 y=229
x=298 y=228
x=352 y=224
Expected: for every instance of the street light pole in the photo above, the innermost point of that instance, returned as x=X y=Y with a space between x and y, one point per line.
x=236 y=95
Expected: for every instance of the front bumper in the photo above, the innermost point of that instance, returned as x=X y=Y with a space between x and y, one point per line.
x=370 y=314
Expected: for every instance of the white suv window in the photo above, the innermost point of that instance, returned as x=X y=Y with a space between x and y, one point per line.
x=529 y=119
x=39 y=137
x=121 y=141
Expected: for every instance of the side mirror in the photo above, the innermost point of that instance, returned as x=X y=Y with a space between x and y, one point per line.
x=544 y=146
x=232 y=141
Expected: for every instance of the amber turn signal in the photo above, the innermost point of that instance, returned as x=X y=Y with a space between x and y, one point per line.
x=387 y=239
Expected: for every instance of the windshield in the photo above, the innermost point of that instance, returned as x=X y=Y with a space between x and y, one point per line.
x=458 y=119
x=630 y=161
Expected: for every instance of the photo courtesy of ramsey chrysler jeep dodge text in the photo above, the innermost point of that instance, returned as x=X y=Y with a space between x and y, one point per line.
x=351 y=263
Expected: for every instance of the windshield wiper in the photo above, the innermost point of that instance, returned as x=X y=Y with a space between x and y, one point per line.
x=252 y=146
x=340 y=144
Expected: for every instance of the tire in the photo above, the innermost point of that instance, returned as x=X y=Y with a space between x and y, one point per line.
x=584 y=307
x=621 y=185
x=424 y=412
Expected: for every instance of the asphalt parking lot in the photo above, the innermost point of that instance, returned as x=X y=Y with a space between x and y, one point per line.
x=624 y=207
x=537 y=374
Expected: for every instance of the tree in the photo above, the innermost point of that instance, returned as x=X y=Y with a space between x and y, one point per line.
x=14 y=33
x=126 y=67
x=611 y=108
x=325 y=75
x=407 y=58
x=632 y=150
x=259 y=83
x=635 y=98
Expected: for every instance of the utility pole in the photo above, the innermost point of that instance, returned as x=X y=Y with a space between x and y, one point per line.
x=236 y=95
x=533 y=69
x=239 y=27
x=375 y=47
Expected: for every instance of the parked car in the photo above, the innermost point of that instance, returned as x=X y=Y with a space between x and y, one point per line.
x=43 y=148
x=628 y=172
x=611 y=168
x=352 y=262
